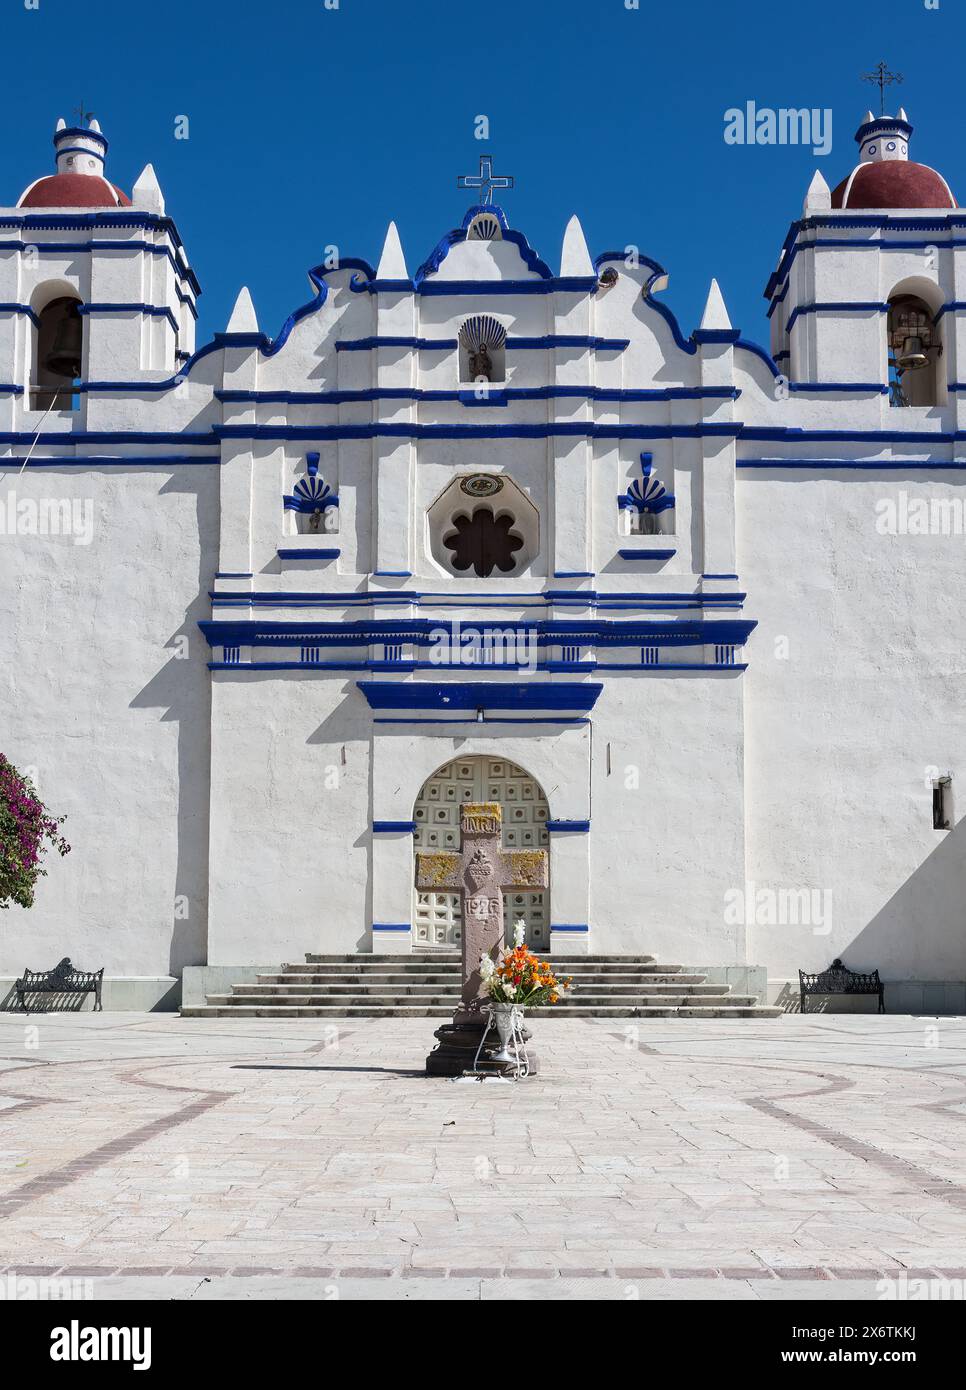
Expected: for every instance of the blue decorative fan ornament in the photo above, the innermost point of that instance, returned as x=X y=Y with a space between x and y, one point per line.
x=647 y=493
x=311 y=493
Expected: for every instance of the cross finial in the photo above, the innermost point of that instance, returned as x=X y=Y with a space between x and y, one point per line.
x=883 y=78
x=81 y=114
x=485 y=180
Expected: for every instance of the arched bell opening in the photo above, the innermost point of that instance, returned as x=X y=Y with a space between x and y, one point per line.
x=437 y=917
x=58 y=358
x=915 y=349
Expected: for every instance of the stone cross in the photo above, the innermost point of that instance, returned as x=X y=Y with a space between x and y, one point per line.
x=479 y=873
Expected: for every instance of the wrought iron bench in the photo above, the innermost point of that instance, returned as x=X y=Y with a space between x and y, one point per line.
x=839 y=979
x=63 y=979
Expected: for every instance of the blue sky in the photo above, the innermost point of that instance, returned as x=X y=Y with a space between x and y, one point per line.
x=312 y=126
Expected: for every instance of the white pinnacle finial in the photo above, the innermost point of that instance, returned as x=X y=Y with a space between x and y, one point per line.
x=392 y=262
x=61 y=123
x=715 y=314
x=95 y=126
x=902 y=114
x=819 y=195
x=146 y=192
x=867 y=117
x=243 y=317
x=575 y=258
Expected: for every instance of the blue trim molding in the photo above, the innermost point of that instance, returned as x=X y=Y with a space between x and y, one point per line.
x=576 y=827
x=569 y=926
x=95 y=461
x=861 y=306
x=153 y=310
x=437 y=256
x=876 y=387
x=324 y=554
x=119 y=217
x=392 y=827
x=890 y=224
x=23 y=309
x=424 y=632
x=391 y=926
x=469 y=721
x=78 y=132
x=862 y=465
x=716 y=335
x=582 y=429
x=468 y=396
x=476 y=695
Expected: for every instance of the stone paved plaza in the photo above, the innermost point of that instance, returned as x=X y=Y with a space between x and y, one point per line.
x=161 y=1157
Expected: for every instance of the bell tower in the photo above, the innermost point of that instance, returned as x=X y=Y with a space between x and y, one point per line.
x=864 y=293
x=97 y=290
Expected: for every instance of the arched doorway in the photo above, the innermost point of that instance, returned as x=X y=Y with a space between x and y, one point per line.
x=437 y=919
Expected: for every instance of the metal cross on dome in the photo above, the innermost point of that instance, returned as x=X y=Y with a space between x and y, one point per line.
x=883 y=78
x=82 y=114
x=485 y=180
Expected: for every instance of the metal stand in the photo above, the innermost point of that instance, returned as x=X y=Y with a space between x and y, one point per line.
x=516 y=1039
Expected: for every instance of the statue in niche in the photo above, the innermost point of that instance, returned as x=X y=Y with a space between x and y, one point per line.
x=481 y=363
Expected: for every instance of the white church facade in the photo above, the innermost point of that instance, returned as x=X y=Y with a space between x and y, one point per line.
x=483 y=527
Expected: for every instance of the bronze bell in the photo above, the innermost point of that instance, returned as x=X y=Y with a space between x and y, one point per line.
x=912 y=358
x=64 y=357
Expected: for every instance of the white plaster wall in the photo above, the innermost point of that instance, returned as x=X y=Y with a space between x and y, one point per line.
x=290 y=818
x=667 y=834
x=844 y=736
x=94 y=698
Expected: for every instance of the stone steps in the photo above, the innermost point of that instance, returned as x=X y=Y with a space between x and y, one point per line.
x=420 y=959
x=427 y=985
x=236 y=1010
x=433 y=999
x=384 y=967
x=410 y=984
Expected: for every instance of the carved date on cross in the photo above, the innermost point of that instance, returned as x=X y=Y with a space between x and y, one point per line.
x=479 y=873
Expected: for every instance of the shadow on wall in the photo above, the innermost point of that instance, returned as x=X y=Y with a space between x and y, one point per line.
x=181 y=690
x=918 y=937
x=346 y=726
x=920 y=932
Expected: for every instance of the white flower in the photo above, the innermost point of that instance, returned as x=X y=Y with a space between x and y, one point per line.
x=487 y=967
x=508 y=989
x=519 y=931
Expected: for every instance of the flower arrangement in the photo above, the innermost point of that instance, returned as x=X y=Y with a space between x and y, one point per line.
x=519 y=977
x=25 y=826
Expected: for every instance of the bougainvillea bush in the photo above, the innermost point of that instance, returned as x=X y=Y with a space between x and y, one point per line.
x=27 y=831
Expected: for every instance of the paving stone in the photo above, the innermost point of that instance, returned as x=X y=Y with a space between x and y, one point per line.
x=711 y=1156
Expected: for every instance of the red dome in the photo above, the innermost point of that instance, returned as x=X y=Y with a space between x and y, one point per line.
x=73 y=191
x=893 y=183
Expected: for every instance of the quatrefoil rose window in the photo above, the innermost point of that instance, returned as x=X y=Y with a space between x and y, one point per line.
x=485 y=525
x=483 y=542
